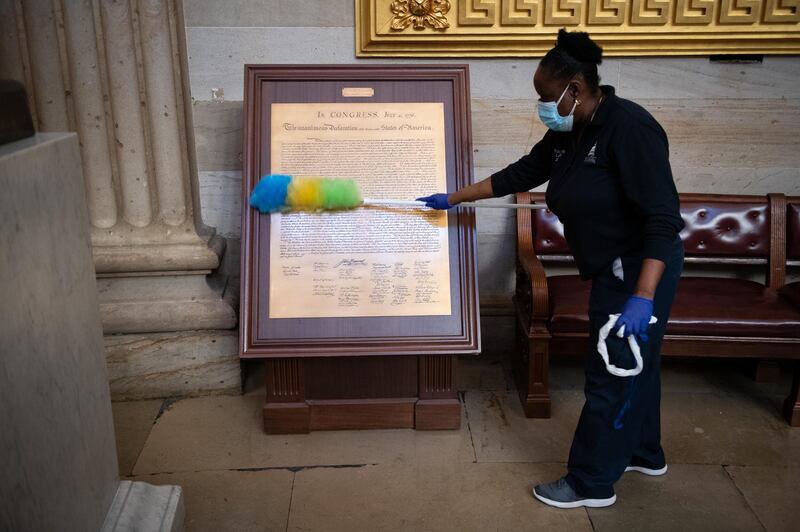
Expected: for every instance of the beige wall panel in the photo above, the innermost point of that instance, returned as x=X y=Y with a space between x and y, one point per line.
x=737 y=151
x=713 y=180
x=496 y=257
x=717 y=179
x=216 y=56
x=303 y=13
x=496 y=221
x=506 y=122
x=249 y=13
x=218 y=135
x=712 y=121
x=494 y=157
x=733 y=155
x=698 y=78
x=221 y=201
x=513 y=78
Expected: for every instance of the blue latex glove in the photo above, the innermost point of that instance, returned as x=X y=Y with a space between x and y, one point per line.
x=635 y=317
x=436 y=201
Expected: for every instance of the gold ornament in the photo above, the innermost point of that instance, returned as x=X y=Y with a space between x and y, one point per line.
x=420 y=13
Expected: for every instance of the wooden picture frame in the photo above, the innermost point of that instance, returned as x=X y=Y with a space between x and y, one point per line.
x=419 y=351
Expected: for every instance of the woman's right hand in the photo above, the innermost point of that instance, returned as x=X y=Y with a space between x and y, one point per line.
x=437 y=201
x=476 y=191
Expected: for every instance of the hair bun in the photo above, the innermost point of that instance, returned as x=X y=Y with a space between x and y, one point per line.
x=579 y=46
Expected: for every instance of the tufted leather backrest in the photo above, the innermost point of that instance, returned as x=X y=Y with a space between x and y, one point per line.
x=737 y=226
x=548 y=234
x=723 y=226
x=793 y=229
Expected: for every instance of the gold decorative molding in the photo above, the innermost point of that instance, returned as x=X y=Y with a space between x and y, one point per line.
x=420 y=13
x=527 y=28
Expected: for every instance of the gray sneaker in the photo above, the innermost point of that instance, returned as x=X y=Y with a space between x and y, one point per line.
x=650 y=471
x=561 y=495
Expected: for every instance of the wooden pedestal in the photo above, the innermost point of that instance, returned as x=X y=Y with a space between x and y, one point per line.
x=380 y=392
x=393 y=370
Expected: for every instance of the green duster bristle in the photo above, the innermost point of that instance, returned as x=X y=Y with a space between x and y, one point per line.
x=339 y=194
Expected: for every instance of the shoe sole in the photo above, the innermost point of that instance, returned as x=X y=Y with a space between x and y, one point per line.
x=647 y=471
x=589 y=503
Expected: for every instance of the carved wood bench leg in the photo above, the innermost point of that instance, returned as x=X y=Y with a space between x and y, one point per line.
x=536 y=402
x=529 y=364
x=791 y=407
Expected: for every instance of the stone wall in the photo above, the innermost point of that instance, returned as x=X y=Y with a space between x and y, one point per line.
x=732 y=126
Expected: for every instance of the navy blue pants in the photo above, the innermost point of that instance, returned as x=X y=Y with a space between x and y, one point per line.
x=621 y=420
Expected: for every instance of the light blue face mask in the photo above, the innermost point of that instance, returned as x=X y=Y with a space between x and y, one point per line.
x=548 y=114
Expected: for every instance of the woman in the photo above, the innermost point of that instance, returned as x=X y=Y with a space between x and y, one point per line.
x=610 y=184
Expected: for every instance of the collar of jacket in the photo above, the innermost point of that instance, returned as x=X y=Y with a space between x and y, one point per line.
x=605 y=106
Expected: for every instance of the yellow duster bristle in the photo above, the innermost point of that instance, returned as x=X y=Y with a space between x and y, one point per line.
x=305 y=193
x=319 y=193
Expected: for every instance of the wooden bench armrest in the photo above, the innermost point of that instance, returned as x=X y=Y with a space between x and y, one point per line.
x=776 y=270
x=531 y=290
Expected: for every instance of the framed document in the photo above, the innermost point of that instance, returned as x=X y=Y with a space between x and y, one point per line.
x=374 y=289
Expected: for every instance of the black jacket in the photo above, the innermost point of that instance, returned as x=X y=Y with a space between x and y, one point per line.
x=613 y=190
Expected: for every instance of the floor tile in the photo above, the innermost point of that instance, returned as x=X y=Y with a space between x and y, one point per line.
x=396 y=446
x=497 y=334
x=204 y=433
x=566 y=373
x=224 y=432
x=727 y=429
x=232 y=500
x=441 y=497
x=481 y=372
x=718 y=375
x=682 y=375
x=687 y=498
x=133 y=421
x=772 y=493
x=501 y=432
x=697 y=428
x=478 y=477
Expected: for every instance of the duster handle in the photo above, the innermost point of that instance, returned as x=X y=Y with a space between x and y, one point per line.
x=414 y=203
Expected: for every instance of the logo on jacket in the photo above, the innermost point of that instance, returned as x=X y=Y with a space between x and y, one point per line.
x=557 y=155
x=590 y=157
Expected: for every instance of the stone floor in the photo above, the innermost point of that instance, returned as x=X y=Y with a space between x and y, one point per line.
x=734 y=463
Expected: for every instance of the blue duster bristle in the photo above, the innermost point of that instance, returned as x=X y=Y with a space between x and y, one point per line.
x=269 y=195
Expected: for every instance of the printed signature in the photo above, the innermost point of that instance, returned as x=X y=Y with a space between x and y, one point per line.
x=351 y=262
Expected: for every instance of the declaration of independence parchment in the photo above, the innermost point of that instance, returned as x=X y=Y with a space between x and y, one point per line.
x=367 y=261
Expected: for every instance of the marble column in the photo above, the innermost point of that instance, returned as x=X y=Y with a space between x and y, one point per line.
x=115 y=71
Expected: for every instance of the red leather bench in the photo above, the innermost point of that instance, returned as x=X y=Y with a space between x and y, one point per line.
x=791 y=291
x=711 y=316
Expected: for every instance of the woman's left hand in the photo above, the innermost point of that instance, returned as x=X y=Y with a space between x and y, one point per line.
x=635 y=317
